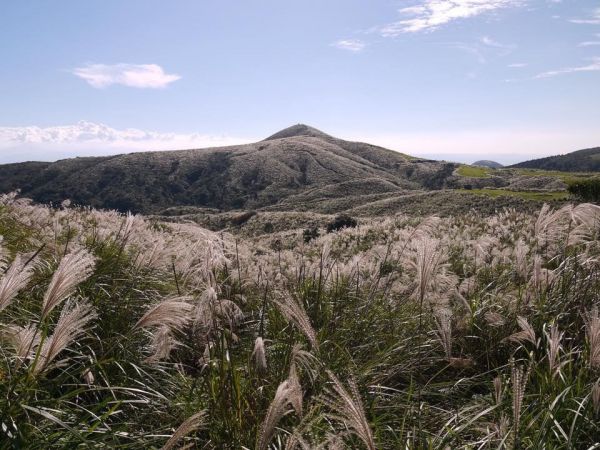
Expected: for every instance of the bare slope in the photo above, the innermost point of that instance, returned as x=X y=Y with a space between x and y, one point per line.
x=298 y=164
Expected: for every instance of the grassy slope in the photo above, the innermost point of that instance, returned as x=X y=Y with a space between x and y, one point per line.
x=473 y=171
x=432 y=365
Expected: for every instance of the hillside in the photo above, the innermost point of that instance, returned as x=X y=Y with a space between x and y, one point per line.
x=299 y=162
x=587 y=160
x=487 y=163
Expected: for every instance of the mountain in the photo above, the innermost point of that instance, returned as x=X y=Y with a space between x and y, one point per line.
x=294 y=165
x=587 y=160
x=487 y=163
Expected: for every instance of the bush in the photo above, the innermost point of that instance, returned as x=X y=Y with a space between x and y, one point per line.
x=588 y=190
x=342 y=221
x=309 y=234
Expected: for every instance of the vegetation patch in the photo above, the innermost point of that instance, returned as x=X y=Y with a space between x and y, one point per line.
x=526 y=195
x=473 y=171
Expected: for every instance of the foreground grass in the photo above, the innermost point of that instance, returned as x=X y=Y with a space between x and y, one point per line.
x=418 y=333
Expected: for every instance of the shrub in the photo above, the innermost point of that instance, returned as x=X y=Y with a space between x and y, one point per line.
x=588 y=190
x=341 y=221
x=309 y=234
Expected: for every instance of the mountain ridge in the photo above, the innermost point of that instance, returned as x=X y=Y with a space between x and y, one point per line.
x=586 y=160
x=287 y=164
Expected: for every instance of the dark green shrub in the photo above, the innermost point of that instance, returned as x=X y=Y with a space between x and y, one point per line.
x=588 y=190
x=309 y=234
x=341 y=221
x=268 y=227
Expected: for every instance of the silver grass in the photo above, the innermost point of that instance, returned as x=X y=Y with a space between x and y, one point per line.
x=174 y=313
x=259 y=356
x=73 y=269
x=188 y=426
x=549 y=224
x=295 y=441
x=331 y=442
x=527 y=334
x=519 y=377
x=285 y=396
x=596 y=397
x=443 y=321
x=427 y=263
x=306 y=361
x=498 y=391
x=346 y=407
x=88 y=376
x=296 y=395
x=592 y=330
x=553 y=339
x=228 y=311
x=294 y=312
x=494 y=319
x=16 y=278
x=162 y=344
x=24 y=340
x=70 y=326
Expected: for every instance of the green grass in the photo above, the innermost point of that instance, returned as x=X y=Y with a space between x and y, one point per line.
x=526 y=195
x=473 y=172
x=567 y=177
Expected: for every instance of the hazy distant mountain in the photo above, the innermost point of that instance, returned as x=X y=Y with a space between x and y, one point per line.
x=487 y=163
x=587 y=160
x=295 y=164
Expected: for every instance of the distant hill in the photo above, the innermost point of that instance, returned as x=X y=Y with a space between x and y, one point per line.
x=298 y=164
x=487 y=163
x=587 y=160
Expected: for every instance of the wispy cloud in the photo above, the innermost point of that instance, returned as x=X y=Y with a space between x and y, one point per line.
x=588 y=44
x=486 y=40
x=143 y=76
x=484 y=48
x=431 y=14
x=594 y=19
x=593 y=66
x=472 y=49
x=88 y=138
x=517 y=65
x=351 y=45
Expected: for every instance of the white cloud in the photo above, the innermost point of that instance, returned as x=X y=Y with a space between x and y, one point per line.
x=87 y=139
x=593 y=66
x=352 y=45
x=593 y=20
x=588 y=44
x=144 y=76
x=431 y=14
x=517 y=65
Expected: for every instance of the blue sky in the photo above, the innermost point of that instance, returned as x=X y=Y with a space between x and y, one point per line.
x=458 y=80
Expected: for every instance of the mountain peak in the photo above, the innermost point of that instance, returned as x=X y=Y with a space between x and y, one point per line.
x=298 y=130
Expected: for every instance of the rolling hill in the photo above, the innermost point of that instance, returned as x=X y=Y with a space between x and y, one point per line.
x=487 y=163
x=298 y=164
x=587 y=160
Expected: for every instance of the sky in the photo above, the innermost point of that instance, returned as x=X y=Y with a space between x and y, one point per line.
x=459 y=80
